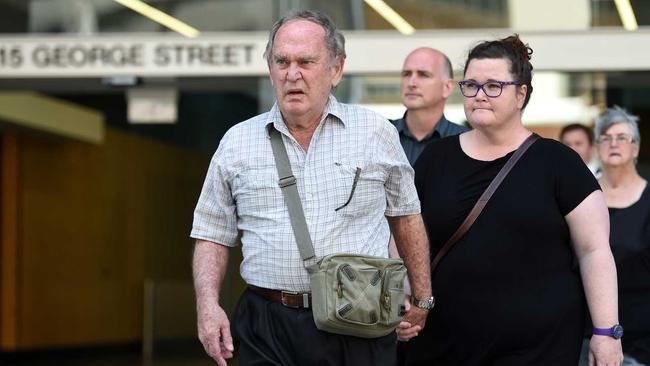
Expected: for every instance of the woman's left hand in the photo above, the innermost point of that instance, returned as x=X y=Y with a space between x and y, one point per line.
x=605 y=351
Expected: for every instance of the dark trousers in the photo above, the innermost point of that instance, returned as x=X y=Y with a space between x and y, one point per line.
x=268 y=333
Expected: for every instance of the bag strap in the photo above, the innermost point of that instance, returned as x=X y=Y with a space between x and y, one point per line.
x=483 y=200
x=287 y=182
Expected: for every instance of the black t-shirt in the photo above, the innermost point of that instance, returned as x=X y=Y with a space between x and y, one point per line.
x=630 y=228
x=630 y=241
x=510 y=278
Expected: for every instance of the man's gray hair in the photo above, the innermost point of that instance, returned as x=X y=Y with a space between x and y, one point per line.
x=616 y=115
x=334 y=40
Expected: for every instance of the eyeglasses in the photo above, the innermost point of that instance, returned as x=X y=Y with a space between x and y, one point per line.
x=492 y=88
x=357 y=174
x=620 y=139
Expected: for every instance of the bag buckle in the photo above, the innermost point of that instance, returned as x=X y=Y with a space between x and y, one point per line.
x=285 y=182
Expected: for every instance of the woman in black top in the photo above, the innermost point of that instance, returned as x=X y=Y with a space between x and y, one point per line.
x=506 y=293
x=628 y=198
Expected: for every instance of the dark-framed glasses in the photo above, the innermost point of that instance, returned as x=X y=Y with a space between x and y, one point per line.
x=621 y=139
x=492 y=88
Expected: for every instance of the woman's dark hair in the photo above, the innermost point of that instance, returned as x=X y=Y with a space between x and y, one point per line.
x=512 y=49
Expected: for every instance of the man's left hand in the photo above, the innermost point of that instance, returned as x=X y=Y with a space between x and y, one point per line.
x=412 y=323
x=405 y=331
x=416 y=316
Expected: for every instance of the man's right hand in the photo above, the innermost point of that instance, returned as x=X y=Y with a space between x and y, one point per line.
x=214 y=333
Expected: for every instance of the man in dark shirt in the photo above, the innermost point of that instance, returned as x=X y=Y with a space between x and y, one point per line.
x=427 y=81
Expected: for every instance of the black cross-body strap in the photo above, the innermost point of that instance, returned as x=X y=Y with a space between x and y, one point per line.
x=483 y=200
x=289 y=188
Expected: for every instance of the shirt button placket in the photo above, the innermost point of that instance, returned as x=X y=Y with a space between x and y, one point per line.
x=307 y=183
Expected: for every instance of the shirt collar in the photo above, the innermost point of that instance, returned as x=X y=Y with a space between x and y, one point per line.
x=333 y=107
x=441 y=129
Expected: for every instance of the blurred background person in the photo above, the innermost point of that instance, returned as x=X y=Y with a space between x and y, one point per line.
x=427 y=82
x=580 y=138
x=628 y=199
x=506 y=293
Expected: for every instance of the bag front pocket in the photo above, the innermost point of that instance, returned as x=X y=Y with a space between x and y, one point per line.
x=358 y=294
x=393 y=295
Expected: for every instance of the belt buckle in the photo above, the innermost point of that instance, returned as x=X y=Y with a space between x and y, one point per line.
x=282 y=293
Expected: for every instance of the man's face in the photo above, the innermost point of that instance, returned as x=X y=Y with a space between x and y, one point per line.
x=579 y=142
x=302 y=70
x=425 y=83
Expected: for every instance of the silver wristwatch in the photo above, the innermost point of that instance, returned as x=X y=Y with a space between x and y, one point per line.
x=426 y=304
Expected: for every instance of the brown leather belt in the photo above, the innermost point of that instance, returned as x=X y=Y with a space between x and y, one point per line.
x=290 y=299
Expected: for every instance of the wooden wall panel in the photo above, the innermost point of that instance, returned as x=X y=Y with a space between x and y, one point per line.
x=96 y=221
x=9 y=192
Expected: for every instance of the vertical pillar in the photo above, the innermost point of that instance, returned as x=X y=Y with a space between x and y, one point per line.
x=9 y=190
x=81 y=18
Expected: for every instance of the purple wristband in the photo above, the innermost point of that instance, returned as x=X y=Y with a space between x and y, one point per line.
x=615 y=332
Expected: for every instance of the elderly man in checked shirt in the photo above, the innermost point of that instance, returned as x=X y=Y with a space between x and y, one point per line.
x=241 y=201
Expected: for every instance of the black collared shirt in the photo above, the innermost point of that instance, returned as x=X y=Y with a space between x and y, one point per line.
x=412 y=147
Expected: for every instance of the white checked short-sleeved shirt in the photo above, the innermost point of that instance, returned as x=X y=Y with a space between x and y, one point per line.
x=241 y=195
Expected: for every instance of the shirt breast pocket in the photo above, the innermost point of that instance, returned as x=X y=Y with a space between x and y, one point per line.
x=257 y=192
x=360 y=190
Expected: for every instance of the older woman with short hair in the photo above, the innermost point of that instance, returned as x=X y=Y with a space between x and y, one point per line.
x=628 y=199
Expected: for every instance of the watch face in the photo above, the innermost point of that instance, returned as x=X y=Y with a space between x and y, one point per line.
x=617 y=331
x=428 y=303
x=424 y=304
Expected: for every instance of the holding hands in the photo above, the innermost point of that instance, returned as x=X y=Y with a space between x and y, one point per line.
x=413 y=321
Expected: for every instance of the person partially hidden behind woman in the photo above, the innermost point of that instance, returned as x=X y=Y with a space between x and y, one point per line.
x=506 y=293
x=628 y=198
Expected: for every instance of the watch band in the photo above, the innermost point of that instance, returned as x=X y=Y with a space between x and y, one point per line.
x=615 y=332
x=427 y=304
